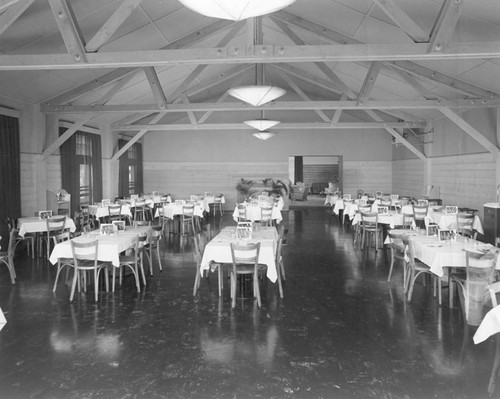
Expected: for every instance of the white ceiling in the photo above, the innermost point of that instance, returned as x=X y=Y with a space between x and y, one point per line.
x=155 y=24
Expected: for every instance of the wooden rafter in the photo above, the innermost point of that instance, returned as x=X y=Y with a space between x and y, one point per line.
x=12 y=13
x=263 y=54
x=403 y=20
x=281 y=126
x=277 y=105
x=338 y=112
x=70 y=31
x=134 y=139
x=408 y=66
x=191 y=115
x=445 y=24
x=320 y=65
x=412 y=81
x=154 y=83
x=471 y=131
x=398 y=136
x=187 y=40
x=112 y=25
x=369 y=82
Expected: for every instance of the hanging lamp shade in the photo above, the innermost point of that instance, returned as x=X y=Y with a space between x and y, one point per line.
x=263 y=135
x=261 y=124
x=256 y=95
x=235 y=10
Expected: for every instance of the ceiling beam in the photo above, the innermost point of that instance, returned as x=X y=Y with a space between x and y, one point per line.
x=12 y=13
x=70 y=31
x=413 y=82
x=154 y=83
x=326 y=85
x=402 y=20
x=320 y=65
x=369 y=82
x=275 y=105
x=281 y=126
x=187 y=40
x=66 y=135
x=111 y=25
x=301 y=94
x=338 y=112
x=445 y=24
x=262 y=54
x=399 y=138
x=191 y=116
x=134 y=139
x=408 y=66
x=471 y=131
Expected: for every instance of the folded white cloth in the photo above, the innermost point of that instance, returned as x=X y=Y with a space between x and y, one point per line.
x=489 y=326
x=3 y=321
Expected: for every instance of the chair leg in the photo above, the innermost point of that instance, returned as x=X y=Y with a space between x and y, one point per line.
x=390 y=268
x=196 y=280
x=233 y=290
x=158 y=254
x=73 y=284
x=256 y=289
x=221 y=281
x=280 y=286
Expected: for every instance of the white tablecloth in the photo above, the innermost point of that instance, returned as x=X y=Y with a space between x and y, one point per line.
x=489 y=326
x=253 y=213
x=448 y=221
x=172 y=209
x=37 y=225
x=109 y=248
x=219 y=249
x=102 y=211
x=439 y=254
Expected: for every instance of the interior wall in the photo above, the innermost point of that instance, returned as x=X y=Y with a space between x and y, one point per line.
x=183 y=163
x=461 y=169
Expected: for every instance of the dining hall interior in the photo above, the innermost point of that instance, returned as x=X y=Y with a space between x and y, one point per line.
x=309 y=132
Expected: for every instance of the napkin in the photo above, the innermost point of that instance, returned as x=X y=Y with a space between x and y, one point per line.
x=489 y=326
x=3 y=321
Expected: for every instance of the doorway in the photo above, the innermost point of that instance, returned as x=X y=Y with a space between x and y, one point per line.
x=316 y=171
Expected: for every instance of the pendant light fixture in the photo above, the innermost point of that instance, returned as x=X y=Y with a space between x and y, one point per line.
x=265 y=135
x=235 y=10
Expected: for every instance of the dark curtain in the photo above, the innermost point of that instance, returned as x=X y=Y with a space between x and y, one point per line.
x=70 y=170
x=124 y=163
x=95 y=140
x=299 y=170
x=70 y=165
x=139 y=183
x=10 y=174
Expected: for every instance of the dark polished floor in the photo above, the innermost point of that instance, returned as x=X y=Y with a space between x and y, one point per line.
x=341 y=331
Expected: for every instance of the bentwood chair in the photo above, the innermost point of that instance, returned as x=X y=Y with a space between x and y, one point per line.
x=398 y=253
x=477 y=286
x=28 y=238
x=216 y=206
x=370 y=228
x=187 y=218
x=245 y=259
x=7 y=258
x=141 y=211
x=266 y=215
x=408 y=220
x=85 y=260
x=242 y=213
x=114 y=212
x=199 y=242
x=465 y=223
x=416 y=269
x=132 y=259
x=62 y=262
x=420 y=213
x=153 y=245
x=55 y=226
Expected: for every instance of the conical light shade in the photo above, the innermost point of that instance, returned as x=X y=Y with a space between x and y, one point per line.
x=263 y=135
x=261 y=124
x=256 y=95
x=235 y=9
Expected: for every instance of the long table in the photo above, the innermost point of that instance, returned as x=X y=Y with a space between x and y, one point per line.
x=110 y=246
x=219 y=248
x=37 y=225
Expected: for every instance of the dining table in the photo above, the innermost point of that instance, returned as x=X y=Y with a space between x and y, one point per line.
x=218 y=250
x=175 y=208
x=254 y=213
x=110 y=246
x=101 y=211
x=449 y=220
x=36 y=225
